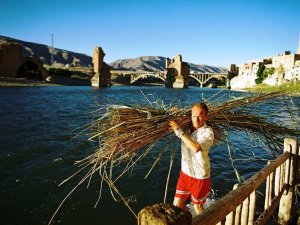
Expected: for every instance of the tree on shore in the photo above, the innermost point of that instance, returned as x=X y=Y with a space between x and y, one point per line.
x=259 y=74
x=263 y=72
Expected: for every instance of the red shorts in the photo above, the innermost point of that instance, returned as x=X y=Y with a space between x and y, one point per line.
x=198 y=188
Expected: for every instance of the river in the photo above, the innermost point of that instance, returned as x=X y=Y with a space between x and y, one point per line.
x=37 y=152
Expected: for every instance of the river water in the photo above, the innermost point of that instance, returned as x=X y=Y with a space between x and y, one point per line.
x=37 y=152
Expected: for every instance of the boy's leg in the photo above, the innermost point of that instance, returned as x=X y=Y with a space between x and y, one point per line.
x=180 y=202
x=200 y=191
x=182 y=193
x=198 y=208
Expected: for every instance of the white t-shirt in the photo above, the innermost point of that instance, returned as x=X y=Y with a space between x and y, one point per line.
x=197 y=165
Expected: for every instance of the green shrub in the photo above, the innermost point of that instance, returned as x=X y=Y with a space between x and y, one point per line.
x=268 y=72
x=263 y=72
x=260 y=74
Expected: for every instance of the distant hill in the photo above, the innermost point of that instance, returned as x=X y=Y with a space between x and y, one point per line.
x=63 y=57
x=143 y=63
x=60 y=57
x=155 y=63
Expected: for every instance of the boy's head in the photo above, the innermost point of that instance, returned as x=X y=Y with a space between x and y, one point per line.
x=199 y=114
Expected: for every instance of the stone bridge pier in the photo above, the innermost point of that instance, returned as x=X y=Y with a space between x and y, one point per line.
x=101 y=71
x=177 y=73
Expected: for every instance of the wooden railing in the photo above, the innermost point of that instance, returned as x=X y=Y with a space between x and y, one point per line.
x=239 y=206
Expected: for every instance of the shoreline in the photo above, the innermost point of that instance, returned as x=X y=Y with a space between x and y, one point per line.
x=264 y=92
x=20 y=82
x=23 y=82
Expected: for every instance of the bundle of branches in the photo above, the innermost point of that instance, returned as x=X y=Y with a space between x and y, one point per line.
x=127 y=133
x=123 y=130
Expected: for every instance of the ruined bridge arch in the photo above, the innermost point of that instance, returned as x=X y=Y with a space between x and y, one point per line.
x=136 y=76
x=14 y=64
x=30 y=69
x=203 y=78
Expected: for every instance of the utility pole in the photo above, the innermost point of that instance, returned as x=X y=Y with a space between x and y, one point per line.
x=298 y=51
x=52 y=50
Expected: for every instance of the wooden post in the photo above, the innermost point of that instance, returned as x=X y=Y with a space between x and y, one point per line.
x=229 y=219
x=230 y=216
x=237 y=216
x=284 y=214
x=268 y=190
x=252 y=208
x=282 y=175
x=245 y=211
x=277 y=187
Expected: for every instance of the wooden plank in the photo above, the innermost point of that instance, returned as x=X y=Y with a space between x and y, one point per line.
x=237 y=216
x=267 y=191
x=271 y=177
x=252 y=208
x=277 y=187
x=245 y=212
x=230 y=217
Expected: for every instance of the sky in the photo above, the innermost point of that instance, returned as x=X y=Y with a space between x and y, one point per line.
x=211 y=32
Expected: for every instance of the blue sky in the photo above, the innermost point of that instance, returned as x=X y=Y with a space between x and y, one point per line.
x=212 y=32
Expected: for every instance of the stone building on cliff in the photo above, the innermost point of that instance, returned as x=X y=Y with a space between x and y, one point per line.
x=101 y=74
x=286 y=66
x=13 y=64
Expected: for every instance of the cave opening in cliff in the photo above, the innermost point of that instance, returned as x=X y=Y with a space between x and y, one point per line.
x=30 y=70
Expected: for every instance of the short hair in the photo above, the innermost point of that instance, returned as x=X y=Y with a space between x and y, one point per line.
x=201 y=105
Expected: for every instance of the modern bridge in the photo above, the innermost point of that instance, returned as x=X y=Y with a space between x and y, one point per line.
x=201 y=78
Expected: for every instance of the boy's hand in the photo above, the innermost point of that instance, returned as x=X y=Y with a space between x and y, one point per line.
x=173 y=125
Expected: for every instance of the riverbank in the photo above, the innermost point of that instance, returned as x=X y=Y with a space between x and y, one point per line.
x=57 y=81
x=23 y=82
x=292 y=88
